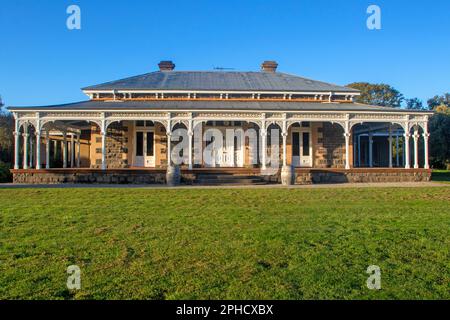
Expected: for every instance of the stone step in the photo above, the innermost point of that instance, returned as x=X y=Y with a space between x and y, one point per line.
x=228 y=179
x=225 y=176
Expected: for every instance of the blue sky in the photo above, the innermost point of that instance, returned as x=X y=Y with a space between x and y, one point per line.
x=42 y=62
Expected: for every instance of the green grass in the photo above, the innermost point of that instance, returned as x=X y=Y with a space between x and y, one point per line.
x=225 y=243
x=441 y=176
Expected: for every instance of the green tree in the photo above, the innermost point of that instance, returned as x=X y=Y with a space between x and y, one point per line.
x=439 y=101
x=378 y=94
x=440 y=137
x=6 y=143
x=414 y=104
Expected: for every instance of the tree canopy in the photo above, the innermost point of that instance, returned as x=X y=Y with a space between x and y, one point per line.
x=439 y=101
x=378 y=94
x=414 y=104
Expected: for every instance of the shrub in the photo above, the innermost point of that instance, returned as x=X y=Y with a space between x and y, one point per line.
x=5 y=174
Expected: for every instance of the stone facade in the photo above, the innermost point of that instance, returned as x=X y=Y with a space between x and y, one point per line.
x=329 y=146
x=91 y=176
x=361 y=176
x=117 y=145
x=302 y=176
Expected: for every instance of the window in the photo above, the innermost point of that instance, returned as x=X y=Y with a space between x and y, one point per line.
x=306 y=143
x=296 y=144
x=306 y=124
x=139 y=144
x=140 y=123
x=150 y=151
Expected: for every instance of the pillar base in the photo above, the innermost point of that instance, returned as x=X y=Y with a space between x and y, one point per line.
x=173 y=176
x=287 y=176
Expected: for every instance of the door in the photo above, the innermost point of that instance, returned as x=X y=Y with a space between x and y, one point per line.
x=145 y=149
x=301 y=148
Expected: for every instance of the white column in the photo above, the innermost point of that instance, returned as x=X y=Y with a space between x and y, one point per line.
x=390 y=147
x=190 y=143
x=72 y=151
x=38 y=150
x=426 y=136
x=263 y=148
x=284 y=135
x=103 y=133
x=370 y=150
x=31 y=152
x=416 y=147
x=406 y=147
x=16 y=145
x=78 y=151
x=169 y=148
x=25 y=147
x=190 y=137
x=397 y=153
x=64 y=147
x=347 y=150
x=284 y=148
x=47 y=150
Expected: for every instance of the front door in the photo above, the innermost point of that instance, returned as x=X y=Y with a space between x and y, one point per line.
x=228 y=155
x=301 y=147
x=145 y=149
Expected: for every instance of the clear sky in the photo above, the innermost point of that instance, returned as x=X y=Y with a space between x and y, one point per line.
x=42 y=62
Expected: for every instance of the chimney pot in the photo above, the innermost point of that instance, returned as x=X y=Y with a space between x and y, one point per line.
x=166 y=66
x=269 y=66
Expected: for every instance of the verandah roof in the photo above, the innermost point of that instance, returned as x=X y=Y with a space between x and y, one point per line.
x=214 y=105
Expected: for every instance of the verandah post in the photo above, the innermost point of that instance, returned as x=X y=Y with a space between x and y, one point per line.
x=416 y=147
x=16 y=144
x=47 y=150
x=25 y=146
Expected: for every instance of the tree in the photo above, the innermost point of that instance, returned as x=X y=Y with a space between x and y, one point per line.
x=414 y=104
x=378 y=94
x=438 y=101
x=6 y=143
x=440 y=137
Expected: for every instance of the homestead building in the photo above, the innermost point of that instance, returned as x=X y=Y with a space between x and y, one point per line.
x=124 y=132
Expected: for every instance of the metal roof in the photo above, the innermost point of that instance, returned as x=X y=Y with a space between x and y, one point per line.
x=213 y=105
x=220 y=81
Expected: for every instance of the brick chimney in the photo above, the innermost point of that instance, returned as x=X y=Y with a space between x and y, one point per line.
x=269 y=66
x=166 y=66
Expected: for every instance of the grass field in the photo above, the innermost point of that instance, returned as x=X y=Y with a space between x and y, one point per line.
x=225 y=243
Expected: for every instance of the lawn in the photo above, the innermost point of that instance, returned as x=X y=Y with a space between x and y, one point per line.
x=225 y=243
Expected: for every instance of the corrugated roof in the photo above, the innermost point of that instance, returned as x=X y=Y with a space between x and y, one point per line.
x=220 y=81
x=214 y=105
